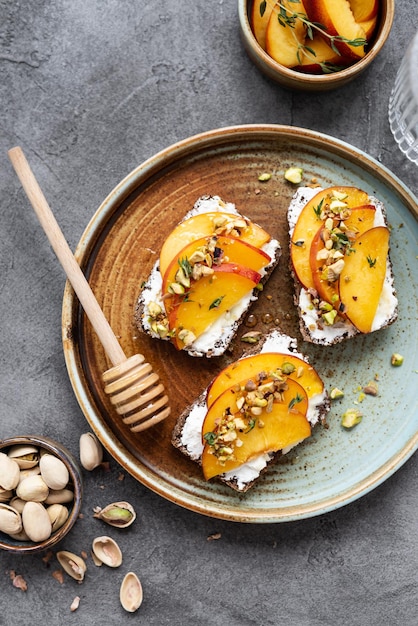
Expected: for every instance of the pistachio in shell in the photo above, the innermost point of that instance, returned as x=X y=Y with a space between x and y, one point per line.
x=36 y=522
x=5 y=494
x=72 y=564
x=33 y=489
x=107 y=551
x=30 y=471
x=22 y=536
x=58 y=514
x=9 y=472
x=59 y=496
x=91 y=451
x=26 y=456
x=131 y=594
x=10 y=519
x=17 y=503
x=54 y=471
x=118 y=514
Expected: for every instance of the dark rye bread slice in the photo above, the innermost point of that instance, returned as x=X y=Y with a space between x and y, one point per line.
x=186 y=435
x=224 y=334
x=311 y=328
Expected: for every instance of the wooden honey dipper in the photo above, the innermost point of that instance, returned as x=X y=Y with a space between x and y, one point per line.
x=133 y=388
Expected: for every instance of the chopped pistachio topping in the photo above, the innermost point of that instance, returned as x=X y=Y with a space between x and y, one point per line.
x=336 y=394
x=351 y=418
x=294 y=175
x=396 y=359
x=254 y=400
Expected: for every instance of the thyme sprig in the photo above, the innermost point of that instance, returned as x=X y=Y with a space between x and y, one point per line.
x=289 y=18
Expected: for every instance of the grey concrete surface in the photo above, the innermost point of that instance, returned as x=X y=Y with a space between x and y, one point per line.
x=91 y=89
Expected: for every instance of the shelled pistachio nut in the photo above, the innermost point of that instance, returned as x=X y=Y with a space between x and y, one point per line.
x=54 y=471
x=36 y=522
x=131 y=594
x=118 y=514
x=33 y=489
x=26 y=456
x=10 y=519
x=58 y=514
x=107 y=551
x=9 y=472
x=72 y=564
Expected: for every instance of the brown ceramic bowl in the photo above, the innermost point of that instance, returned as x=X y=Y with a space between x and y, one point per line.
x=293 y=79
x=75 y=484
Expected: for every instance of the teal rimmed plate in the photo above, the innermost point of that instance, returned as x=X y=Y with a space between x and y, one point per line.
x=120 y=245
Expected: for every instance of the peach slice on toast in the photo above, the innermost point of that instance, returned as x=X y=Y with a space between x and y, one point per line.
x=209 y=298
x=210 y=223
x=229 y=248
x=363 y=275
x=249 y=367
x=284 y=425
x=307 y=226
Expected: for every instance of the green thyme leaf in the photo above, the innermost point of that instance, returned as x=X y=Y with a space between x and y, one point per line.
x=298 y=398
x=216 y=303
x=210 y=438
x=263 y=6
x=370 y=261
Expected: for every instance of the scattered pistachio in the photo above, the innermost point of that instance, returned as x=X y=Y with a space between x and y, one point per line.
x=264 y=177
x=294 y=175
x=336 y=394
x=75 y=604
x=351 y=418
x=251 y=337
x=396 y=359
x=371 y=388
x=131 y=594
x=119 y=514
x=72 y=564
x=91 y=451
x=107 y=551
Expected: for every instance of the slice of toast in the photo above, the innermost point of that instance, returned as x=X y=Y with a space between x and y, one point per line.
x=218 y=336
x=312 y=325
x=187 y=433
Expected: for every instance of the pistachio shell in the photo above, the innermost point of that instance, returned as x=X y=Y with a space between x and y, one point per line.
x=17 y=503
x=5 y=494
x=118 y=514
x=33 y=488
x=72 y=564
x=91 y=451
x=107 y=550
x=26 y=456
x=131 y=594
x=10 y=519
x=31 y=471
x=36 y=522
x=58 y=514
x=9 y=472
x=59 y=496
x=54 y=471
x=22 y=536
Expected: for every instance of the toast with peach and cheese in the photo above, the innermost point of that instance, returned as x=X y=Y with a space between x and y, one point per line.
x=257 y=409
x=210 y=269
x=340 y=263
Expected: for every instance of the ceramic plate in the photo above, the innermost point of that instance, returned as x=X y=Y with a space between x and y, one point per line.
x=117 y=251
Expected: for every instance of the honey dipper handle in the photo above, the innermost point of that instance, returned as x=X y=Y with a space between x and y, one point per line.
x=66 y=257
